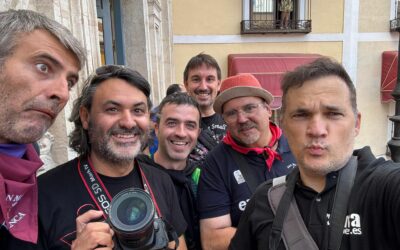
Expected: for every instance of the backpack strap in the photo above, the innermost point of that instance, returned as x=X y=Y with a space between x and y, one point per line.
x=339 y=210
x=244 y=167
x=288 y=223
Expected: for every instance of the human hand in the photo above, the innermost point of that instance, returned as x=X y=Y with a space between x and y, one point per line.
x=92 y=235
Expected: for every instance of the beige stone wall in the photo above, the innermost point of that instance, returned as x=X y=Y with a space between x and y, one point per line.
x=206 y=17
x=374 y=16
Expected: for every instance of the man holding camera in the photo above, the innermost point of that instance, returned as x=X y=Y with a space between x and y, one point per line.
x=111 y=118
x=177 y=129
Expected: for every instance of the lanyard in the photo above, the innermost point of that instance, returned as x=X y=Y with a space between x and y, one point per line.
x=99 y=193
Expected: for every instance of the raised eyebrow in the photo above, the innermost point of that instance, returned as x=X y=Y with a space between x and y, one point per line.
x=57 y=64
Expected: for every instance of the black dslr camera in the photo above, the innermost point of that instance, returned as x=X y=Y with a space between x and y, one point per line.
x=132 y=217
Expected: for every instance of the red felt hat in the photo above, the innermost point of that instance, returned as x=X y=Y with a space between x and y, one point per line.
x=240 y=86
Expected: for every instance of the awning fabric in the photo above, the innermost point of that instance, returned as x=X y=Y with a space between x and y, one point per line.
x=389 y=75
x=268 y=68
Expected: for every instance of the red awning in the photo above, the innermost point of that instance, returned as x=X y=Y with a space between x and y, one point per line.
x=268 y=68
x=389 y=75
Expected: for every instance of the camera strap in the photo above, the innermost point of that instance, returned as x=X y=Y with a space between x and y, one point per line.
x=99 y=193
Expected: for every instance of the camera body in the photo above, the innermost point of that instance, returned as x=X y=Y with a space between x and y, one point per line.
x=132 y=217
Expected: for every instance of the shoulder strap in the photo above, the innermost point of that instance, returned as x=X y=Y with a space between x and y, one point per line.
x=288 y=224
x=249 y=176
x=339 y=209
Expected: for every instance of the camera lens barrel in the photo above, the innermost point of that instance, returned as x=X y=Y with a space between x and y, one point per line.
x=132 y=217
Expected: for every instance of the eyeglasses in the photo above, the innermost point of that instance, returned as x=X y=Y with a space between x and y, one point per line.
x=247 y=110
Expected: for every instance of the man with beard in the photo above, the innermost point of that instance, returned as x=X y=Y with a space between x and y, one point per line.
x=39 y=63
x=336 y=198
x=202 y=79
x=253 y=151
x=177 y=128
x=111 y=118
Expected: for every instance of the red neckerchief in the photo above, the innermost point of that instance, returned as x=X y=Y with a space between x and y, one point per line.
x=276 y=133
x=18 y=194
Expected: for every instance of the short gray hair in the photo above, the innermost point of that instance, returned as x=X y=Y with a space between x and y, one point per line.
x=15 y=23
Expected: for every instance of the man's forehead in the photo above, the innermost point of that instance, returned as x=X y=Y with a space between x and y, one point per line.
x=243 y=100
x=197 y=70
x=328 y=91
x=174 y=111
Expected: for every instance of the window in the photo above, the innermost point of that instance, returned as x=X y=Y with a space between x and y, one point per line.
x=110 y=31
x=263 y=6
x=267 y=16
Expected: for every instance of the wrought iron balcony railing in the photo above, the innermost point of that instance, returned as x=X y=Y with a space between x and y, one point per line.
x=275 y=26
x=395 y=24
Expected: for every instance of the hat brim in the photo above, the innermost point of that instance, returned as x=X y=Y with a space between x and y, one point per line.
x=240 y=91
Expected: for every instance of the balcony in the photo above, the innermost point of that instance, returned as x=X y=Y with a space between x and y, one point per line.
x=395 y=24
x=274 y=26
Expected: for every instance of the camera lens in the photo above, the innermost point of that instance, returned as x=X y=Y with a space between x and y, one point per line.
x=132 y=217
x=131 y=211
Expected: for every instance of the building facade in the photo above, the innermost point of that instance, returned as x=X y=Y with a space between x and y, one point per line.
x=353 y=32
x=158 y=37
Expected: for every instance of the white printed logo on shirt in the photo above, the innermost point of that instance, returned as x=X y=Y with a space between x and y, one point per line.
x=352 y=224
x=239 y=177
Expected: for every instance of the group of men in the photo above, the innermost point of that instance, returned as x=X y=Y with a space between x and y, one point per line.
x=216 y=146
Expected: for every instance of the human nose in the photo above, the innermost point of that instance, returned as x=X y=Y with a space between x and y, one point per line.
x=59 y=90
x=317 y=127
x=127 y=120
x=180 y=130
x=203 y=84
x=241 y=116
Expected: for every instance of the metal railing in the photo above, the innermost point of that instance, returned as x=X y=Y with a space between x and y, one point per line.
x=275 y=26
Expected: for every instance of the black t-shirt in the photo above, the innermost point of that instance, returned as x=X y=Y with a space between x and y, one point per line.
x=215 y=123
x=63 y=196
x=8 y=242
x=372 y=220
x=213 y=129
x=222 y=188
x=186 y=187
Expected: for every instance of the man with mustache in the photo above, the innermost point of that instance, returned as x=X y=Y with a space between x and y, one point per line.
x=253 y=151
x=39 y=63
x=111 y=118
x=337 y=198
x=202 y=80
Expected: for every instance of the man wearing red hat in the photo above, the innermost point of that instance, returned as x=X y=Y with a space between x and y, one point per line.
x=252 y=152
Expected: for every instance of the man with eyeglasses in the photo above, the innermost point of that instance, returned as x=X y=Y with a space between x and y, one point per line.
x=253 y=151
x=111 y=118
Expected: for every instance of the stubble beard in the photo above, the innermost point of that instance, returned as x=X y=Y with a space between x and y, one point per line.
x=108 y=150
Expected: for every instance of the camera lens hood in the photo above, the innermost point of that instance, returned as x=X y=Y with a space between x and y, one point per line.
x=131 y=215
